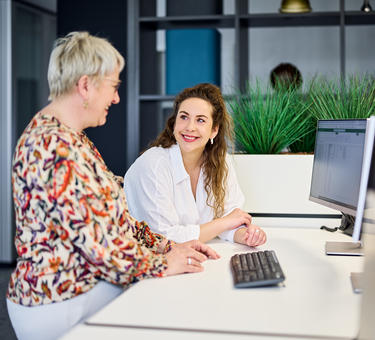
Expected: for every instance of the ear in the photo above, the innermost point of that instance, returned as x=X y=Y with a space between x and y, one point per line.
x=215 y=131
x=83 y=86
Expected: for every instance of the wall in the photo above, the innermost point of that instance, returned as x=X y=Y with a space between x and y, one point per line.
x=106 y=19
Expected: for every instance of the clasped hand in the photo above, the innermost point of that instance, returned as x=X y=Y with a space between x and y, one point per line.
x=187 y=257
x=249 y=234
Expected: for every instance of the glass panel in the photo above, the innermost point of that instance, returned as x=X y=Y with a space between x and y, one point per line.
x=33 y=33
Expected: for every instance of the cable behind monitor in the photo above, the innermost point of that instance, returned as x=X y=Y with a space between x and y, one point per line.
x=346 y=226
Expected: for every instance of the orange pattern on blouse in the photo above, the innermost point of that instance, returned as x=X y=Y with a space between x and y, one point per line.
x=73 y=227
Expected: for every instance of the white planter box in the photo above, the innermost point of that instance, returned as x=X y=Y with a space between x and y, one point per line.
x=280 y=184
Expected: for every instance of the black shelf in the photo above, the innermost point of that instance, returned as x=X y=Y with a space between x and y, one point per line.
x=291 y=20
x=169 y=97
x=156 y=98
x=258 y=20
x=359 y=18
x=180 y=22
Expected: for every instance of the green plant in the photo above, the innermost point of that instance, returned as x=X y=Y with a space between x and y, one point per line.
x=339 y=99
x=306 y=143
x=267 y=122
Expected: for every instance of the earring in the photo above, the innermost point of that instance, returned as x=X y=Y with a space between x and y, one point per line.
x=212 y=141
x=85 y=104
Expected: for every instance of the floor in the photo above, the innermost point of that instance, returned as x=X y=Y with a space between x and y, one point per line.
x=6 y=330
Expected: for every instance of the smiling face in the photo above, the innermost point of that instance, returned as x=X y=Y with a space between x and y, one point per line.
x=194 y=125
x=105 y=93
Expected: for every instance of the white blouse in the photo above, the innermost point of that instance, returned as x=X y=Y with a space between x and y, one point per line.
x=158 y=191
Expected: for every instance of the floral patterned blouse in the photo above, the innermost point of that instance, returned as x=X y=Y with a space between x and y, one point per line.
x=73 y=227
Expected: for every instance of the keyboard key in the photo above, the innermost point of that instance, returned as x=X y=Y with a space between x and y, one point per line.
x=255 y=259
x=250 y=261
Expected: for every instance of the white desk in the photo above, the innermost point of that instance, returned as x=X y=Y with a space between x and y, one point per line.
x=83 y=331
x=316 y=301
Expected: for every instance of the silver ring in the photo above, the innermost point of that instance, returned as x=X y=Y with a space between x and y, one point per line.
x=257 y=231
x=189 y=260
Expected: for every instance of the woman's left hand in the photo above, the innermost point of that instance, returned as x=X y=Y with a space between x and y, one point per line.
x=252 y=236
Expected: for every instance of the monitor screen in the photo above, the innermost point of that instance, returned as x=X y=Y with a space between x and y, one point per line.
x=337 y=167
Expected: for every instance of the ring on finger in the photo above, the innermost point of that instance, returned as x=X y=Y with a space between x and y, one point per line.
x=189 y=260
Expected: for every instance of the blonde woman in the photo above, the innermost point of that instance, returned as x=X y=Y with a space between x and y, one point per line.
x=77 y=245
x=185 y=185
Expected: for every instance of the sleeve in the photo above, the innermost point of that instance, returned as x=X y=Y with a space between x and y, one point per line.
x=142 y=231
x=91 y=218
x=149 y=189
x=147 y=237
x=234 y=198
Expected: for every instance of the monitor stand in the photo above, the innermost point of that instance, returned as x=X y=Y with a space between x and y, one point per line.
x=344 y=248
x=357 y=282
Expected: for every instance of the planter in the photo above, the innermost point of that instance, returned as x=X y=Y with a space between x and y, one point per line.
x=280 y=184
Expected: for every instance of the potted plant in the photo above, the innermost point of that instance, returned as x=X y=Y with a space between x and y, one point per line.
x=339 y=99
x=269 y=123
x=336 y=99
x=266 y=123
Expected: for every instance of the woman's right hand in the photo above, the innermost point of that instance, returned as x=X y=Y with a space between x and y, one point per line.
x=236 y=218
x=187 y=257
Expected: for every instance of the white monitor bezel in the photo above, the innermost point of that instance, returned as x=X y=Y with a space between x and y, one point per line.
x=366 y=165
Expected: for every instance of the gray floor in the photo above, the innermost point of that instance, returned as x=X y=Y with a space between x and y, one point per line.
x=6 y=330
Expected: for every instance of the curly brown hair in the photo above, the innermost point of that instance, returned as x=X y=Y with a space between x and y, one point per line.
x=214 y=164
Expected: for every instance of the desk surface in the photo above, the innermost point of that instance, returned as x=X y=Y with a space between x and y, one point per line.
x=315 y=301
x=91 y=332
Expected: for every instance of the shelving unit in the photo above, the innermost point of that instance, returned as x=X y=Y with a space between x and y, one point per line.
x=257 y=20
x=241 y=21
x=182 y=22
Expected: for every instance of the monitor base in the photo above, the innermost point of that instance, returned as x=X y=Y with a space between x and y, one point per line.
x=357 y=282
x=344 y=248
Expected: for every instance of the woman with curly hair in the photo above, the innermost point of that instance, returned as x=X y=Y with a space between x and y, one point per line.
x=185 y=185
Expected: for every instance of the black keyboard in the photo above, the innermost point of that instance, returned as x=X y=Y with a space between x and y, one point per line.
x=256 y=269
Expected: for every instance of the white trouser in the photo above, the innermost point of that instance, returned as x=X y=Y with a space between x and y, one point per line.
x=51 y=321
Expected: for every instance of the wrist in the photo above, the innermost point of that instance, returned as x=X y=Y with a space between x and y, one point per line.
x=162 y=245
x=239 y=235
x=224 y=224
x=168 y=246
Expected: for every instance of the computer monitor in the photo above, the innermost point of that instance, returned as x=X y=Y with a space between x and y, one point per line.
x=366 y=322
x=367 y=179
x=368 y=223
x=365 y=281
x=342 y=159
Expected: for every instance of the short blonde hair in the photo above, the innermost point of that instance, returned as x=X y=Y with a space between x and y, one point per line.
x=78 y=54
